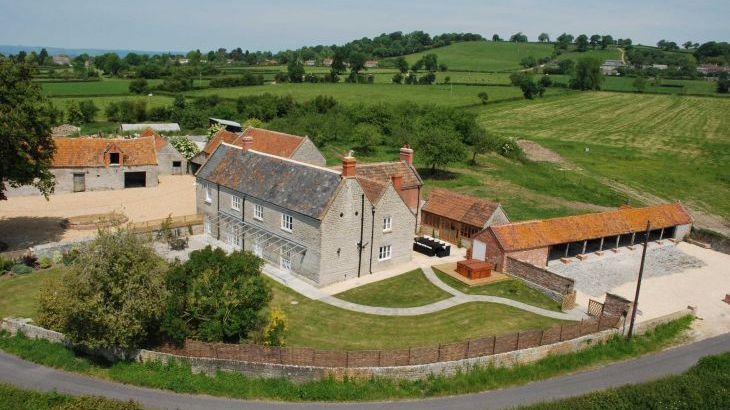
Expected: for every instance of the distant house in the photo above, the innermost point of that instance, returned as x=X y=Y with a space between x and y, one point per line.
x=168 y=127
x=61 y=60
x=327 y=62
x=229 y=125
x=457 y=218
x=660 y=66
x=269 y=142
x=371 y=64
x=310 y=63
x=94 y=164
x=183 y=60
x=710 y=69
x=610 y=67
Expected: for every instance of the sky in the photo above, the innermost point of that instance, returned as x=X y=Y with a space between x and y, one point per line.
x=181 y=25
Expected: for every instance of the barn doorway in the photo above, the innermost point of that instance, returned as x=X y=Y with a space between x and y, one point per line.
x=135 y=179
x=79 y=182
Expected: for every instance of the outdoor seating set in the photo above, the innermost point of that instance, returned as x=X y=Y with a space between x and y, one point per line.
x=431 y=247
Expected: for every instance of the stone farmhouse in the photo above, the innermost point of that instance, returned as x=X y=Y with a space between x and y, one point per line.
x=269 y=142
x=323 y=224
x=538 y=242
x=456 y=218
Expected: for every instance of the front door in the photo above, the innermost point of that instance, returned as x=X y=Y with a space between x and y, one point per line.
x=79 y=182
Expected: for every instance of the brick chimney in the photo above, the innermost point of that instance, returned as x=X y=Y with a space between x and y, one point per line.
x=406 y=154
x=348 y=165
x=397 y=182
x=247 y=143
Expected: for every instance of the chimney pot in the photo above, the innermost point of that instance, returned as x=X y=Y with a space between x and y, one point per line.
x=348 y=166
x=406 y=154
x=247 y=143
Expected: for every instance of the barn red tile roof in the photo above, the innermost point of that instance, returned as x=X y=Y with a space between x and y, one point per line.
x=463 y=208
x=382 y=171
x=89 y=152
x=546 y=232
x=266 y=141
x=148 y=132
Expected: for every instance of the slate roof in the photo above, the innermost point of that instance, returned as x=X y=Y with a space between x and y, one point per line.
x=299 y=187
x=89 y=152
x=266 y=141
x=382 y=171
x=463 y=208
x=554 y=231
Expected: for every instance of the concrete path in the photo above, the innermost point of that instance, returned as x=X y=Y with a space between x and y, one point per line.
x=27 y=375
x=308 y=290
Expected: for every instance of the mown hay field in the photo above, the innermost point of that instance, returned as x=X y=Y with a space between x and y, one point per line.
x=485 y=55
x=677 y=148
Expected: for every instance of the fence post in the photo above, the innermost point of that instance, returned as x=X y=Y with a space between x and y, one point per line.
x=518 y=341
x=542 y=336
x=561 y=333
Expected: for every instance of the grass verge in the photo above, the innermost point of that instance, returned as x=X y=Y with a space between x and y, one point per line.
x=178 y=377
x=17 y=399
x=406 y=290
x=509 y=289
x=704 y=386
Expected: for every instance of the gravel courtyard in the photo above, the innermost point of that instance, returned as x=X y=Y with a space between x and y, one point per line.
x=30 y=220
x=596 y=274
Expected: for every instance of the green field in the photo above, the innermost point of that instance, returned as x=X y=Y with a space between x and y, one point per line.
x=677 y=148
x=485 y=55
x=104 y=87
x=103 y=102
x=610 y=53
x=664 y=86
x=455 y=96
x=406 y=290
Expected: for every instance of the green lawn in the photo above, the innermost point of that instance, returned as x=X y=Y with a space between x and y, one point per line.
x=485 y=55
x=405 y=290
x=510 y=289
x=316 y=324
x=105 y=86
x=674 y=147
x=457 y=95
x=19 y=294
x=103 y=102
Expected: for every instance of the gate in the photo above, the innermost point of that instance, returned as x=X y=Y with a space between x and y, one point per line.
x=79 y=182
x=595 y=308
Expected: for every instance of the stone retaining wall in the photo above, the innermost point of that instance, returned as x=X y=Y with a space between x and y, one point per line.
x=549 y=283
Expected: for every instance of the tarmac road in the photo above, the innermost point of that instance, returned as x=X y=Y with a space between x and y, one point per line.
x=31 y=376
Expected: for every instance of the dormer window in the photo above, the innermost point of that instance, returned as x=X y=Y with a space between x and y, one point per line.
x=114 y=158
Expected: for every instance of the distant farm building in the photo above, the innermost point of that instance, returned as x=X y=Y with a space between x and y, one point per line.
x=457 y=218
x=229 y=125
x=310 y=63
x=327 y=62
x=540 y=241
x=61 y=59
x=371 y=64
x=168 y=127
x=610 y=67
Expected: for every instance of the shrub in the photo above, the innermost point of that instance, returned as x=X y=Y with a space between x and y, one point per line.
x=70 y=256
x=21 y=269
x=57 y=257
x=29 y=260
x=45 y=262
x=215 y=297
x=112 y=297
x=275 y=329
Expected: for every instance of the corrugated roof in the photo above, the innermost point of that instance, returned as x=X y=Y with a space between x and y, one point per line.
x=169 y=127
x=266 y=141
x=382 y=171
x=89 y=152
x=462 y=208
x=226 y=122
x=546 y=232
x=296 y=186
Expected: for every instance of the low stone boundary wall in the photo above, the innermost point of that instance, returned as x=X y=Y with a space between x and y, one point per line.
x=553 y=285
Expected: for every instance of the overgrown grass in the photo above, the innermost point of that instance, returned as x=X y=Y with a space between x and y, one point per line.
x=510 y=289
x=17 y=399
x=704 y=386
x=406 y=290
x=179 y=378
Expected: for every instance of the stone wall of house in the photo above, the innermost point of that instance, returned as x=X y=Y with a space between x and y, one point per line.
x=400 y=237
x=96 y=179
x=165 y=157
x=308 y=152
x=552 y=284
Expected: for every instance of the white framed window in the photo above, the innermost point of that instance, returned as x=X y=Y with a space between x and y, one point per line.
x=208 y=193
x=258 y=212
x=285 y=260
x=206 y=226
x=236 y=202
x=287 y=222
x=385 y=252
x=387 y=224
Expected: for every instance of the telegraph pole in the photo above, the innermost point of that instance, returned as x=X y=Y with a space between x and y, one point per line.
x=638 y=283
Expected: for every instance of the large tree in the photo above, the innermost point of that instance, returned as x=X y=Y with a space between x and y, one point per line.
x=544 y=38
x=588 y=75
x=26 y=146
x=581 y=43
x=439 y=146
